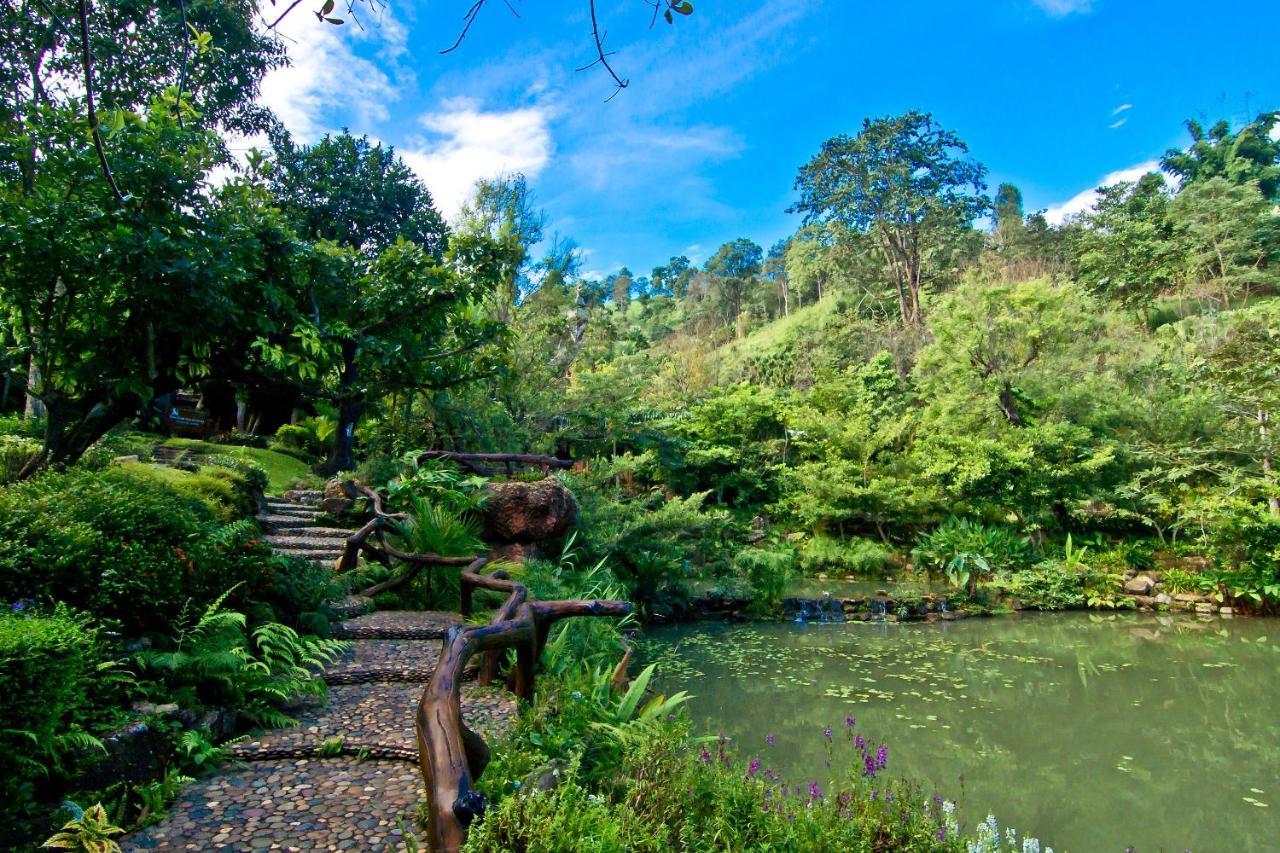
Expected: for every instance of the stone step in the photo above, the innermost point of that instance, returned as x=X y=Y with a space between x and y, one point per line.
x=339 y=534
x=276 y=520
x=351 y=606
x=411 y=661
x=292 y=804
x=292 y=509
x=318 y=555
x=305 y=540
x=398 y=625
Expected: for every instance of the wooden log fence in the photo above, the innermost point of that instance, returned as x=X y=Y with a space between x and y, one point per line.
x=489 y=464
x=452 y=756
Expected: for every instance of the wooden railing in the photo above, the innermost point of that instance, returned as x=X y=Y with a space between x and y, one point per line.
x=488 y=464
x=451 y=755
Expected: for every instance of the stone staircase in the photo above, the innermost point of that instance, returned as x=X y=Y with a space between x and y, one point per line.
x=293 y=528
x=346 y=777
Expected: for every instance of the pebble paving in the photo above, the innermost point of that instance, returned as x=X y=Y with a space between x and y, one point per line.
x=385 y=660
x=399 y=624
x=383 y=714
x=342 y=802
x=319 y=804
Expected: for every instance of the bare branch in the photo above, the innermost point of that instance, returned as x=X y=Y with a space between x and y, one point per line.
x=602 y=58
x=467 y=20
x=87 y=64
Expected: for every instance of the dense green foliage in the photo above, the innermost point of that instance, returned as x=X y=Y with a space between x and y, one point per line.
x=894 y=389
x=49 y=668
x=137 y=544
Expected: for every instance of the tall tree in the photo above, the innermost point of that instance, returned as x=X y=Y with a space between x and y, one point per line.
x=1229 y=233
x=111 y=302
x=1008 y=211
x=672 y=278
x=1125 y=249
x=905 y=181
x=503 y=210
x=376 y=309
x=1244 y=366
x=733 y=270
x=1250 y=154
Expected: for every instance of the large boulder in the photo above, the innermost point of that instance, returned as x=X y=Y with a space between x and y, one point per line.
x=339 y=496
x=528 y=512
x=1141 y=585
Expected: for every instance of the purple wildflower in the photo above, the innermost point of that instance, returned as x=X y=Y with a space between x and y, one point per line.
x=705 y=756
x=850 y=722
x=826 y=732
x=882 y=757
x=859 y=741
x=768 y=739
x=753 y=767
x=942 y=833
x=815 y=791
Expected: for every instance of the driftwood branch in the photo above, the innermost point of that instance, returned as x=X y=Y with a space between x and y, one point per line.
x=485 y=464
x=448 y=764
x=450 y=755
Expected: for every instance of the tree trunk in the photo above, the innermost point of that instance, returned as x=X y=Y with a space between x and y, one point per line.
x=1009 y=406
x=8 y=383
x=68 y=434
x=1273 y=500
x=342 y=456
x=35 y=408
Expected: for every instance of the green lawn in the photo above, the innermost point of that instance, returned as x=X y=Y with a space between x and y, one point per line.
x=282 y=470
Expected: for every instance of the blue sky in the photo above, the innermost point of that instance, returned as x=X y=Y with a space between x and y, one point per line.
x=703 y=146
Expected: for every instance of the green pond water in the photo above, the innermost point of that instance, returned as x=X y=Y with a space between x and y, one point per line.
x=1094 y=733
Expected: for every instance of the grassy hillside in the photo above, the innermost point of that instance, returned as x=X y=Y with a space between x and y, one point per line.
x=283 y=471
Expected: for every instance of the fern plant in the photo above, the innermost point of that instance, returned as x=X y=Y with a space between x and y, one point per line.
x=216 y=660
x=433 y=528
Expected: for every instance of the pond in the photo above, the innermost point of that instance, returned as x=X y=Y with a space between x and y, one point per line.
x=1092 y=732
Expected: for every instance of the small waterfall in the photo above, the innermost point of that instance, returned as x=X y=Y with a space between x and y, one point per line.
x=825 y=609
x=879 y=607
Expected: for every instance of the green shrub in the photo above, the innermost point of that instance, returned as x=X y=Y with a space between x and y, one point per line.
x=1048 y=585
x=251 y=481
x=15 y=452
x=1246 y=548
x=130 y=547
x=769 y=571
x=293 y=437
x=47 y=664
x=20 y=426
x=852 y=556
x=229 y=487
x=965 y=550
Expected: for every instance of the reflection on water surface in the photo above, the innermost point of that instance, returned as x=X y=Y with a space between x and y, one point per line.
x=1092 y=732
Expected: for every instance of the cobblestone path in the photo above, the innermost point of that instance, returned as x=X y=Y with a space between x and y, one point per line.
x=284 y=792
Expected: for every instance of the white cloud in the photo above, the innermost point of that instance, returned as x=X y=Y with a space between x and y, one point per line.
x=1061 y=8
x=326 y=84
x=1120 y=123
x=1083 y=201
x=467 y=143
x=1121 y=109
